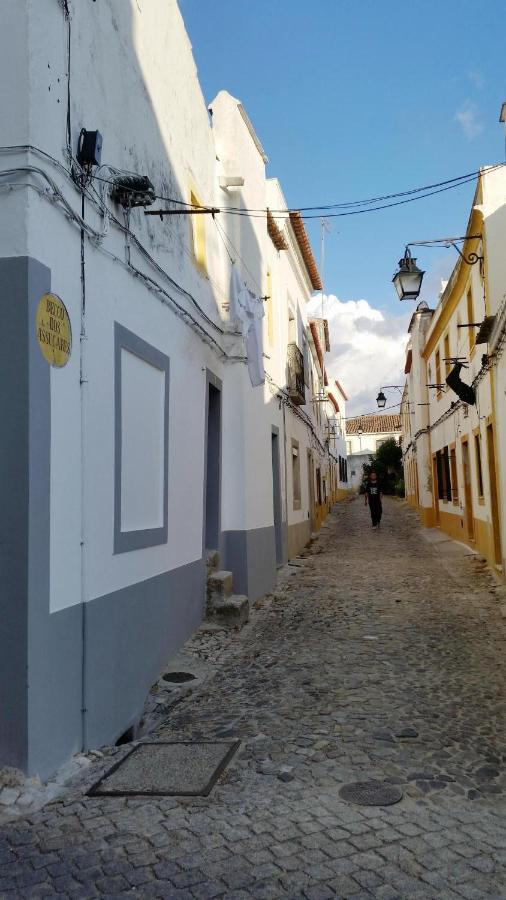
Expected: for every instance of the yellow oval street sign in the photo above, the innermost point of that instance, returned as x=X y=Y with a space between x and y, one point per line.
x=54 y=332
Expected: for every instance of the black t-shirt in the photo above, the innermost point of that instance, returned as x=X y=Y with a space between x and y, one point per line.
x=373 y=490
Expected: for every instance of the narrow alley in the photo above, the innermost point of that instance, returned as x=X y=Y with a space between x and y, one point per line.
x=379 y=656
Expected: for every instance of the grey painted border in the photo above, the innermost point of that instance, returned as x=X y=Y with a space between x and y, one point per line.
x=216 y=382
x=132 y=634
x=40 y=652
x=124 y=541
x=251 y=556
x=14 y=505
x=277 y=499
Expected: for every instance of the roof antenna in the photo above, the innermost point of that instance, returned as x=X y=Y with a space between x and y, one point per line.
x=502 y=118
x=326 y=227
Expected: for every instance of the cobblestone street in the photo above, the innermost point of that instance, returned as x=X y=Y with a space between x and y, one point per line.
x=379 y=657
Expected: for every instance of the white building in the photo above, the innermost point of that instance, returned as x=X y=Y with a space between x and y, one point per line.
x=454 y=435
x=146 y=446
x=364 y=436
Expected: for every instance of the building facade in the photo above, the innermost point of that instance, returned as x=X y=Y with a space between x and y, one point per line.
x=364 y=436
x=159 y=376
x=453 y=410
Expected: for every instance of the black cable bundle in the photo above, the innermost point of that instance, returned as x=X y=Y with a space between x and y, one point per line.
x=464 y=391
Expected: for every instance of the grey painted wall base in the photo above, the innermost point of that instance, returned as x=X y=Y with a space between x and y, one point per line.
x=299 y=536
x=40 y=654
x=131 y=635
x=251 y=556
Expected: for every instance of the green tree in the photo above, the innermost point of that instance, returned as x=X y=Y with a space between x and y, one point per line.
x=387 y=463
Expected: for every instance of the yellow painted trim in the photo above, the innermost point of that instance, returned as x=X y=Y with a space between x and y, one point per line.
x=463 y=277
x=197 y=225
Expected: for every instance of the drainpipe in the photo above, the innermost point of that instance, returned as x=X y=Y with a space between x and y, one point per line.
x=285 y=478
x=83 y=382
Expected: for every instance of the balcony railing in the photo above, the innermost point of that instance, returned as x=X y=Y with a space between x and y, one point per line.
x=296 y=379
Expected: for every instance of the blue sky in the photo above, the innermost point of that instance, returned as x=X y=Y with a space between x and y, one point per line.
x=355 y=99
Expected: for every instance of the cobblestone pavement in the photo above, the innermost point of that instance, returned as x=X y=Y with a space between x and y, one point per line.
x=376 y=658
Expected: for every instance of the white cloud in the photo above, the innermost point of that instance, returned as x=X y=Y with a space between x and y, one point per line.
x=367 y=349
x=467 y=117
x=477 y=79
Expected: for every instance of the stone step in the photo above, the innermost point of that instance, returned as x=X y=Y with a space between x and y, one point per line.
x=212 y=561
x=219 y=585
x=233 y=612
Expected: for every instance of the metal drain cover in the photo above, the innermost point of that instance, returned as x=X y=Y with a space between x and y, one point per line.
x=177 y=769
x=178 y=677
x=371 y=793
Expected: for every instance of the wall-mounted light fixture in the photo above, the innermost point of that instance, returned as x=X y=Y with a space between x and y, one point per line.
x=381 y=399
x=408 y=279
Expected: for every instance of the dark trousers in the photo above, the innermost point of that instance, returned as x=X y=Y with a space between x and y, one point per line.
x=376 y=509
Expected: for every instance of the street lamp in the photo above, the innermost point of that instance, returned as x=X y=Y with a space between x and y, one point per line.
x=408 y=279
x=381 y=399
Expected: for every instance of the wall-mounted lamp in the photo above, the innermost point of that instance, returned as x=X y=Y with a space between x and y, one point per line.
x=408 y=279
x=381 y=399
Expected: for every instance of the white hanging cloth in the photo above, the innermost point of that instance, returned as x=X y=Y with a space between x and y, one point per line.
x=247 y=312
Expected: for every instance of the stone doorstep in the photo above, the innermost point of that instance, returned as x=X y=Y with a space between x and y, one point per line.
x=232 y=612
x=220 y=584
x=212 y=561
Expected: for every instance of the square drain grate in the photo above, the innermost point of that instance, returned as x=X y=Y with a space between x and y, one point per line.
x=177 y=769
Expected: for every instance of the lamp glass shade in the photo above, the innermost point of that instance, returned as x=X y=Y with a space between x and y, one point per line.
x=408 y=280
x=381 y=400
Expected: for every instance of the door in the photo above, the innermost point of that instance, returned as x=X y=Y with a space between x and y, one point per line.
x=310 y=477
x=276 y=498
x=494 y=503
x=435 y=489
x=468 y=492
x=213 y=469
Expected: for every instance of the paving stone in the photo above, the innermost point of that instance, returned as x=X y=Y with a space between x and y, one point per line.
x=421 y=707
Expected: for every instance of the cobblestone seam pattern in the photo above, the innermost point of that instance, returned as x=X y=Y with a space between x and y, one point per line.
x=371 y=660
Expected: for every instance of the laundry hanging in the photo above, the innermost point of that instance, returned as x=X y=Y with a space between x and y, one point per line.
x=247 y=312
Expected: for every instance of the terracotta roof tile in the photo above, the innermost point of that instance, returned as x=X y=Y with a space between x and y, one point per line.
x=333 y=400
x=339 y=388
x=375 y=424
x=275 y=233
x=305 y=248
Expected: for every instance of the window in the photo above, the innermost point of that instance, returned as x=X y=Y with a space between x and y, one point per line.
x=479 y=473
x=438 y=371
x=440 y=475
x=296 y=474
x=444 y=483
x=379 y=442
x=292 y=326
x=455 y=481
x=141 y=418
x=270 y=309
x=307 y=365
x=198 y=234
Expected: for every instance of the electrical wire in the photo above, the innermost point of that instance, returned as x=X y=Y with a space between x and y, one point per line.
x=348 y=208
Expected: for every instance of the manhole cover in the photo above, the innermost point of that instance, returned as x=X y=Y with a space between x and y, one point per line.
x=178 y=677
x=175 y=769
x=371 y=793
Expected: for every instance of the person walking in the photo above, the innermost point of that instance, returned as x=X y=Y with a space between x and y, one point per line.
x=373 y=497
